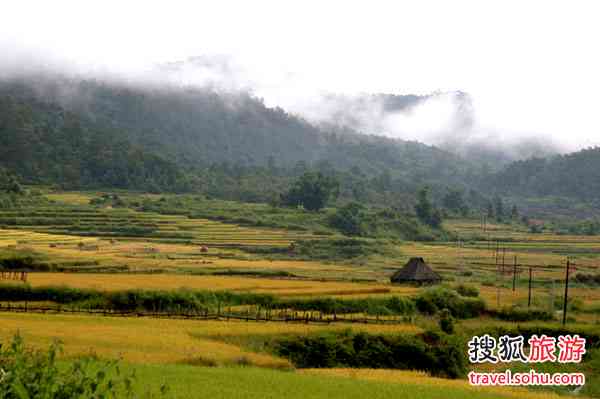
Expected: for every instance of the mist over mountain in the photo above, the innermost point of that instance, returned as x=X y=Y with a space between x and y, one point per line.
x=196 y=128
x=447 y=119
x=165 y=135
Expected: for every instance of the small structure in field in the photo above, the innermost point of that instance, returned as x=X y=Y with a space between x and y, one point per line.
x=416 y=271
x=151 y=250
x=204 y=249
x=88 y=247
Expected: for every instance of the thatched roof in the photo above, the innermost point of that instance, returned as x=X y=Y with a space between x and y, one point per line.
x=416 y=271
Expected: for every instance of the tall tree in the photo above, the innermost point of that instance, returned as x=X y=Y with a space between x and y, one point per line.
x=312 y=191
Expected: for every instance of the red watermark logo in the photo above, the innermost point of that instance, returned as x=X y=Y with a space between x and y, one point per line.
x=507 y=349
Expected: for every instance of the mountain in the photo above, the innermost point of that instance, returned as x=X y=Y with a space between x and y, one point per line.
x=196 y=128
x=44 y=143
x=575 y=175
x=100 y=133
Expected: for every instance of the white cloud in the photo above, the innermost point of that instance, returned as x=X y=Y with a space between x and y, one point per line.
x=529 y=66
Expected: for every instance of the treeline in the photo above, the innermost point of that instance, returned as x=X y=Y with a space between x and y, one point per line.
x=84 y=133
x=90 y=133
x=431 y=302
x=436 y=353
x=573 y=175
x=12 y=193
x=44 y=144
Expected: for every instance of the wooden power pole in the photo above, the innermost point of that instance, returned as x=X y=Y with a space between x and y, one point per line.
x=515 y=275
x=529 y=295
x=565 y=299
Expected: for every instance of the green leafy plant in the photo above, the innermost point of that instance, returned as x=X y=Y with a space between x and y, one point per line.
x=25 y=373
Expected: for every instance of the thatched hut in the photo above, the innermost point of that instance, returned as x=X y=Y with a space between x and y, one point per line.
x=416 y=271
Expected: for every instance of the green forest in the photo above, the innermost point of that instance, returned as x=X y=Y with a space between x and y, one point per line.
x=79 y=134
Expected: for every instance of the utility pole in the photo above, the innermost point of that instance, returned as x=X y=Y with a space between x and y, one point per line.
x=515 y=275
x=529 y=296
x=498 y=279
x=564 y=321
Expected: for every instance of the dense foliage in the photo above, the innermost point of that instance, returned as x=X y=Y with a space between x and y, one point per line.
x=43 y=143
x=573 y=175
x=311 y=191
x=26 y=373
x=92 y=133
x=436 y=353
x=89 y=133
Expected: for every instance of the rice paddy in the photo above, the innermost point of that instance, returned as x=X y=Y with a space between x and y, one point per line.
x=120 y=249
x=146 y=340
x=413 y=378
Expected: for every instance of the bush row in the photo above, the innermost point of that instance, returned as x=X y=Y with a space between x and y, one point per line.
x=129 y=300
x=372 y=306
x=434 y=300
x=436 y=353
x=521 y=314
x=429 y=302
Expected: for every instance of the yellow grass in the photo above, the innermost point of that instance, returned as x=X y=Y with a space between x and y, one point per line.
x=281 y=287
x=422 y=379
x=70 y=198
x=147 y=340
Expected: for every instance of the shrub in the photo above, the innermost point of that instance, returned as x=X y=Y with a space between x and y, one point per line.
x=520 y=314
x=467 y=290
x=350 y=220
x=590 y=279
x=446 y=322
x=434 y=299
x=374 y=306
x=435 y=353
x=35 y=374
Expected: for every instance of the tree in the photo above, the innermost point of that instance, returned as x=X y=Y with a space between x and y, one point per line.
x=350 y=220
x=454 y=201
x=312 y=191
x=436 y=218
x=490 y=210
x=9 y=183
x=446 y=321
x=499 y=207
x=514 y=213
x=425 y=210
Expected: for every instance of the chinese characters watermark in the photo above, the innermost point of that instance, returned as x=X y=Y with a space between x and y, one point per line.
x=507 y=349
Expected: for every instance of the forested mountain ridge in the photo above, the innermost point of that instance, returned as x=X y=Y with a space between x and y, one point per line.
x=43 y=143
x=197 y=128
x=91 y=133
x=574 y=175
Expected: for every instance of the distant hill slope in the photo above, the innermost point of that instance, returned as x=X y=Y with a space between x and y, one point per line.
x=575 y=175
x=44 y=143
x=197 y=128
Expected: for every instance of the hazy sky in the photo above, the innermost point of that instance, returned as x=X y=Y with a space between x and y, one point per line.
x=531 y=67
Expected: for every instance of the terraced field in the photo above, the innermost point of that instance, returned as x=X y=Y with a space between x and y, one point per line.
x=148 y=226
x=146 y=340
x=115 y=249
x=280 y=287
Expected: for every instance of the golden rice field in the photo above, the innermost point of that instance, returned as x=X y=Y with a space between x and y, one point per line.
x=139 y=256
x=148 y=340
x=422 y=379
x=280 y=287
x=288 y=287
x=117 y=222
x=70 y=198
